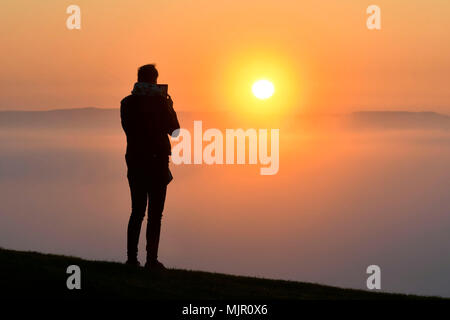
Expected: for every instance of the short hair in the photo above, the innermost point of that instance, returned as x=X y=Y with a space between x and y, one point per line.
x=147 y=73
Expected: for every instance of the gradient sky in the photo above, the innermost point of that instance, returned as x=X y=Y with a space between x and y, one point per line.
x=319 y=54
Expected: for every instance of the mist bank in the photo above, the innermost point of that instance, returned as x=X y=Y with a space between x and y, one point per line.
x=345 y=197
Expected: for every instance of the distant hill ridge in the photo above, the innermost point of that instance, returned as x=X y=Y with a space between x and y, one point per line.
x=60 y=118
x=92 y=117
x=400 y=120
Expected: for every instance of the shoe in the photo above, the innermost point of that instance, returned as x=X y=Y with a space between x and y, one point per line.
x=134 y=263
x=155 y=265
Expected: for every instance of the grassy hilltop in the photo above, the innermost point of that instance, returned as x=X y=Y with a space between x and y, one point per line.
x=36 y=275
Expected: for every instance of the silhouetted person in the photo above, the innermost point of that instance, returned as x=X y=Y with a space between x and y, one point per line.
x=147 y=118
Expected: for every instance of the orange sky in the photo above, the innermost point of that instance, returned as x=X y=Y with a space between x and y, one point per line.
x=319 y=54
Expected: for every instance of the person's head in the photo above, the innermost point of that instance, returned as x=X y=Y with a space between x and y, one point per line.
x=147 y=73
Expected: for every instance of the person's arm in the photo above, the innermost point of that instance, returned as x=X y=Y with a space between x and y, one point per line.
x=124 y=118
x=130 y=122
x=172 y=121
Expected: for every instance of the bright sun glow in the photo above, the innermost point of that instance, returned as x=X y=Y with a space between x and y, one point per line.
x=263 y=89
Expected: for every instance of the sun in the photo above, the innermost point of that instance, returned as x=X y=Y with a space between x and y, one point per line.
x=263 y=89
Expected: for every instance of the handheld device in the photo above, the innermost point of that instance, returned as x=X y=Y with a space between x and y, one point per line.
x=163 y=88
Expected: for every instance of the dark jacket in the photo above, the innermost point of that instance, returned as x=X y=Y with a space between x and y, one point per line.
x=147 y=122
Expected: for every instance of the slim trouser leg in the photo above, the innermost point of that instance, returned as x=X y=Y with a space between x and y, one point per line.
x=157 y=197
x=138 y=205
